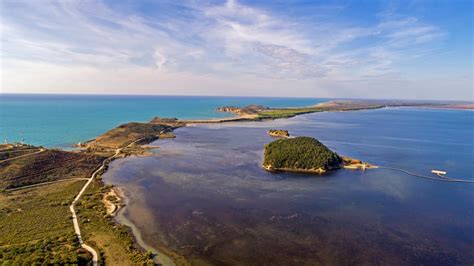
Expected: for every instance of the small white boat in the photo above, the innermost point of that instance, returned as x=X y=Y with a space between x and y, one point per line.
x=438 y=172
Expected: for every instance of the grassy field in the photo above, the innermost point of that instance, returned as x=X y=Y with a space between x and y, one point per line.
x=7 y=152
x=49 y=165
x=285 y=113
x=36 y=227
x=125 y=134
x=327 y=106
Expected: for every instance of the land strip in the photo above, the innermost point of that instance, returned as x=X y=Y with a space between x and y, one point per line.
x=264 y=113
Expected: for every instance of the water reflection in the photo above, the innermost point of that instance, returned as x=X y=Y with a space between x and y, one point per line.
x=205 y=196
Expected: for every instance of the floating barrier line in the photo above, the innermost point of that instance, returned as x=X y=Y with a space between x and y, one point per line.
x=444 y=178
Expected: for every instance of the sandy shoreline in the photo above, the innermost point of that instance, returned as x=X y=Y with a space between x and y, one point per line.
x=120 y=217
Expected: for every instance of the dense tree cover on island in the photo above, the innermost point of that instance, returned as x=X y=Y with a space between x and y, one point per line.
x=301 y=153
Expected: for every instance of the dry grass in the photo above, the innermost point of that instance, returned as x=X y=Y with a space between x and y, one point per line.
x=49 y=165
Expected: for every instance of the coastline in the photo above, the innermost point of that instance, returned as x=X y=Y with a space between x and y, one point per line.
x=137 y=146
x=159 y=257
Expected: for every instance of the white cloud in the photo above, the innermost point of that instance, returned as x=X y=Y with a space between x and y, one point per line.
x=227 y=46
x=160 y=58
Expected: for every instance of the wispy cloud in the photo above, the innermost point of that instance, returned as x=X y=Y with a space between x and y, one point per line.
x=211 y=40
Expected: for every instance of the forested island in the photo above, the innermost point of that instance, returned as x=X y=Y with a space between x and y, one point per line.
x=306 y=154
x=300 y=154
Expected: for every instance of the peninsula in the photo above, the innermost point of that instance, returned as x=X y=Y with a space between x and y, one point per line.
x=258 y=112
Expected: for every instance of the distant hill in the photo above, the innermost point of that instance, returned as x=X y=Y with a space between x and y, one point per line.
x=252 y=109
x=125 y=134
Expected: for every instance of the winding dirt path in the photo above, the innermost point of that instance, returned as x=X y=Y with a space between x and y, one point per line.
x=24 y=155
x=95 y=257
x=46 y=183
x=77 y=229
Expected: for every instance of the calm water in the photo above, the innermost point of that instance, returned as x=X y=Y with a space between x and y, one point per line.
x=62 y=120
x=205 y=196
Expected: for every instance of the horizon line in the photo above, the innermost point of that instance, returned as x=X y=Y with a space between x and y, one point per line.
x=230 y=96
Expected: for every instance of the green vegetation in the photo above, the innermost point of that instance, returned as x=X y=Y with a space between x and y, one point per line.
x=113 y=241
x=301 y=153
x=285 y=113
x=251 y=109
x=49 y=165
x=278 y=133
x=36 y=228
x=343 y=105
x=126 y=134
x=36 y=225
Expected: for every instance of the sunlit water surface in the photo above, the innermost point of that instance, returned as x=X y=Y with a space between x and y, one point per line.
x=62 y=120
x=205 y=196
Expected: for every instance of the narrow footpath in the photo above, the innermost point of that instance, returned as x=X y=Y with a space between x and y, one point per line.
x=45 y=183
x=24 y=155
x=95 y=257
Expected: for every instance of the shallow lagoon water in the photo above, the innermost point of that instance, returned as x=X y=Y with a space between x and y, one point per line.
x=205 y=196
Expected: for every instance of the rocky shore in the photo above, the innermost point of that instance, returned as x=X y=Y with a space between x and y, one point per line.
x=278 y=133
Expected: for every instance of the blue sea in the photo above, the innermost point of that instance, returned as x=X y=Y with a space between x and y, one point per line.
x=63 y=120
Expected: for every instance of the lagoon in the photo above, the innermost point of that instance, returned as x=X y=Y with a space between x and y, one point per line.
x=205 y=196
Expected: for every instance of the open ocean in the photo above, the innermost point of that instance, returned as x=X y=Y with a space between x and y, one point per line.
x=63 y=120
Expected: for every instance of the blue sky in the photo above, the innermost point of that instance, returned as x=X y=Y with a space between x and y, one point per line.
x=370 y=49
